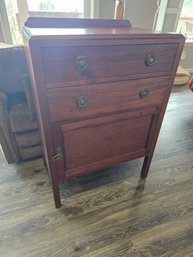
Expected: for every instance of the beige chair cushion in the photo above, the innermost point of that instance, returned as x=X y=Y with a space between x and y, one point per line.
x=182 y=76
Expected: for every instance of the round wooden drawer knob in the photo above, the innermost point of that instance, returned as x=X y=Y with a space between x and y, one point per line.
x=149 y=60
x=81 y=63
x=143 y=93
x=82 y=102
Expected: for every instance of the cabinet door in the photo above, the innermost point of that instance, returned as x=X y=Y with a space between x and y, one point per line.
x=93 y=144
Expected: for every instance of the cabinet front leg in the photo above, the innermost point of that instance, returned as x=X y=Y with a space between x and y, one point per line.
x=146 y=165
x=56 y=193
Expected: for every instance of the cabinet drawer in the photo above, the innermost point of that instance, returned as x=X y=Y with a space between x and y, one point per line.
x=73 y=103
x=98 y=141
x=90 y=64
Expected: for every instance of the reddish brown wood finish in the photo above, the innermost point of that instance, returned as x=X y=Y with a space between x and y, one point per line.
x=105 y=99
x=74 y=23
x=106 y=62
x=104 y=141
x=110 y=107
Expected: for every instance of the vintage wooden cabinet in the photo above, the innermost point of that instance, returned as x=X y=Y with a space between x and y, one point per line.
x=101 y=88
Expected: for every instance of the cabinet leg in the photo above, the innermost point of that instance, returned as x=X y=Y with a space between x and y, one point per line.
x=56 y=194
x=146 y=165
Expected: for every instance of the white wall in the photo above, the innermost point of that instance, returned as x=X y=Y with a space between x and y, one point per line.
x=140 y=13
x=106 y=9
x=5 y=34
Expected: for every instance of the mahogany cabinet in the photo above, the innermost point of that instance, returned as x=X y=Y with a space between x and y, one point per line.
x=101 y=88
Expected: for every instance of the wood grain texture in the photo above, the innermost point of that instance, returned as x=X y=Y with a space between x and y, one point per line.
x=105 y=99
x=109 y=140
x=75 y=23
x=104 y=215
x=106 y=62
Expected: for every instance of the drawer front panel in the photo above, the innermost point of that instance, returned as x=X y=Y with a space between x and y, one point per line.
x=104 y=141
x=84 y=65
x=73 y=103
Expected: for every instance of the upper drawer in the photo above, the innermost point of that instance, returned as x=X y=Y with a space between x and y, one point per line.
x=91 y=64
x=72 y=103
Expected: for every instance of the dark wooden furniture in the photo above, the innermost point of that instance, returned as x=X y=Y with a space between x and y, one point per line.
x=19 y=135
x=101 y=90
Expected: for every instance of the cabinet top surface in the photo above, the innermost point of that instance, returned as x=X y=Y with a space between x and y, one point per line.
x=42 y=33
x=85 y=28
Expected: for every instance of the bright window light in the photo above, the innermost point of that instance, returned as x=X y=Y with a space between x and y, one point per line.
x=56 y=5
x=185 y=24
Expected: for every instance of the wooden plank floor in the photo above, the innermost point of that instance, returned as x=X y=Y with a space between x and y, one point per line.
x=103 y=215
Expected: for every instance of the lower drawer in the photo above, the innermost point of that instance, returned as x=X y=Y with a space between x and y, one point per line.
x=100 y=143
x=72 y=103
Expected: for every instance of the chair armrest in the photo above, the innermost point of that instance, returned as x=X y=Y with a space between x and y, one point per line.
x=7 y=138
x=28 y=92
